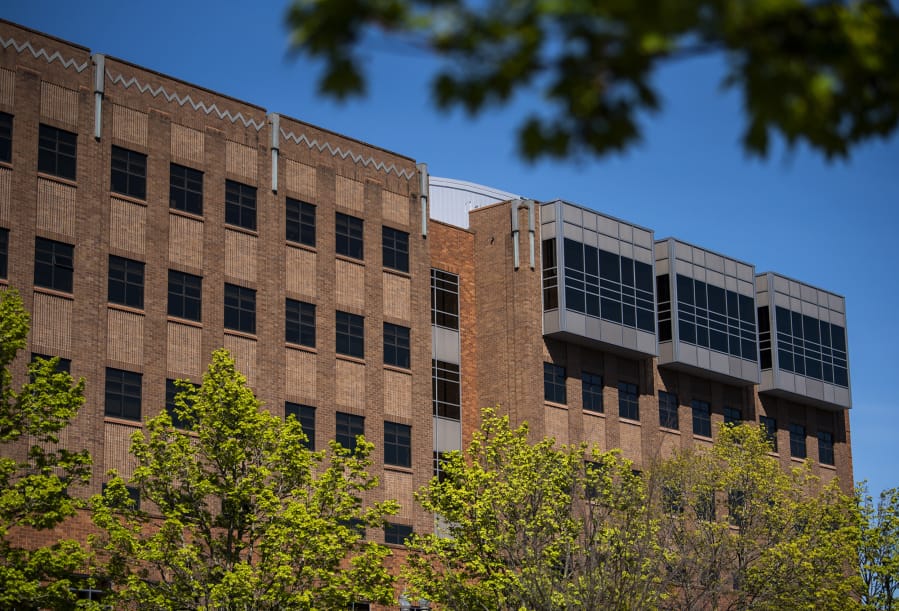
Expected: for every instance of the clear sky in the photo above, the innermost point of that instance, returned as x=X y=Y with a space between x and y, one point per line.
x=833 y=226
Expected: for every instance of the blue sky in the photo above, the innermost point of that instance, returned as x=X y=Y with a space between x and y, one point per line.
x=832 y=226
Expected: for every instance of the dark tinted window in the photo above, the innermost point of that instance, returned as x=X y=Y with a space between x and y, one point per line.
x=185 y=189
x=348 y=427
x=396 y=534
x=5 y=137
x=57 y=152
x=349 y=236
x=447 y=389
x=350 y=334
x=240 y=205
x=123 y=394
x=126 y=282
x=300 y=222
x=171 y=392
x=825 y=447
x=668 y=416
x=395 y=245
x=4 y=253
x=444 y=299
x=591 y=392
x=299 y=323
x=732 y=415
x=240 y=308
x=797 y=441
x=702 y=418
x=554 y=383
x=397 y=444
x=185 y=295
x=770 y=426
x=305 y=415
x=128 y=173
x=396 y=345
x=53 y=264
x=628 y=404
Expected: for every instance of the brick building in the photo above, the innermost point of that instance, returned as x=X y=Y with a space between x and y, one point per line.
x=147 y=221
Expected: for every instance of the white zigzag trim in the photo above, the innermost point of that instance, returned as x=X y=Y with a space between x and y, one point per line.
x=337 y=152
x=41 y=53
x=182 y=100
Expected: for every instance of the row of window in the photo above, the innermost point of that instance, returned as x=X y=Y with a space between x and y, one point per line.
x=57 y=154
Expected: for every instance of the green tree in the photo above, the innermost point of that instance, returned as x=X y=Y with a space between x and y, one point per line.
x=878 y=552
x=238 y=513
x=36 y=474
x=534 y=526
x=822 y=73
x=740 y=532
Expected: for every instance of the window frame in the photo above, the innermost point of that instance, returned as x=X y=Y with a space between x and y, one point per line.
x=669 y=417
x=446 y=387
x=769 y=426
x=798 y=445
x=240 y=307
x=305 y=415
x=592 y=392
x=172 y=391
x=397 y=350
x=123 y=386
x=300 y=221
x=56 y=149
x=299 y=322
x=6 y=134
x=826 y=448
x=395 y=249
x=349 y=233
x=185 y=188
x=348 y=427
x=185 y=294
x=628 y=401
x=555 y=378
x=397 y=444
x=4 y=253
x=240 y=205
x=396 y=534
x=702 y=417
x=128 y=172
x=125 y=282
x=349 y=334
x=60 y=266
x=730 y=412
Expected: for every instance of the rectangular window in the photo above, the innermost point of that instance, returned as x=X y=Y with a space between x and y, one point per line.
x=797 y=441
x=56 y=152
x=4 y=253
x=172 y=391
x=5 y=137
x=185 y=295
x=348 y=427
x=53 y=264
x=397 y=444
x=396 y=345
x=628 y=403
x=702 y=418
x=240 y=308
x=444 y=299
x=126 y=282
x=185 y=189
x=299 y=323
x=732 y=415
x=349 y=236
x=300 y=222
x=240 y=205
x=770 y=427
x=447 y=390
x=128 y=173
x=668 y=410
x=825 y=447
x=350 y=334
x=62 y=365
x=305 y=415
x=554 y=383
x=395 y=245
x=396 y=534
x=123 y=394
x=591 y=392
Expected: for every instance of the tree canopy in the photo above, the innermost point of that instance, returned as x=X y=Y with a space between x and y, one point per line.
x=237 y=513
x=562 y=527
x=37 y=476
x=878 y=551
x=825 y=74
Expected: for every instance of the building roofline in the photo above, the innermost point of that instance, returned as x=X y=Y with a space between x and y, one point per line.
x=708 y=250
